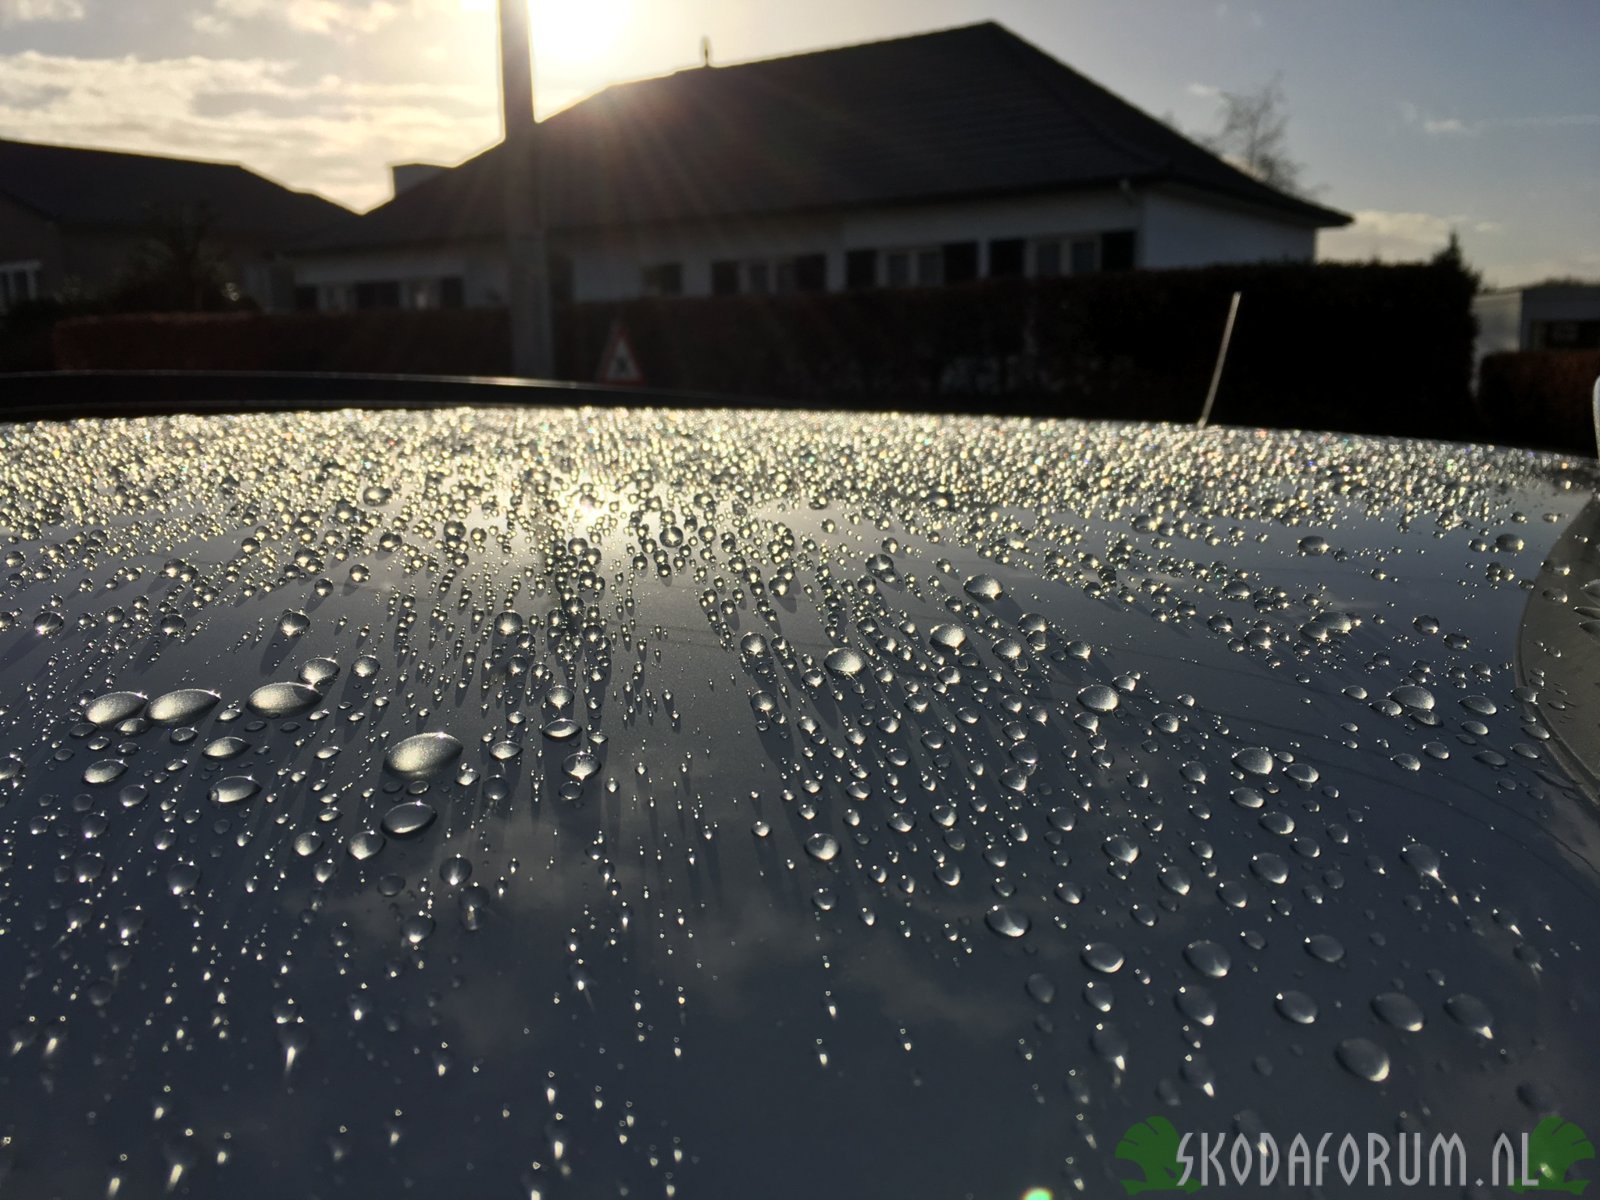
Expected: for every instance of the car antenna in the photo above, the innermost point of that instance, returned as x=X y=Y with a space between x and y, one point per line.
x=705 y=51
x=1222 y=357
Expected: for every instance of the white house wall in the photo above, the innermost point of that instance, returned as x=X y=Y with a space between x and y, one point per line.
x=1183 y=232
x=1171 y=231
x=606 y=266
x=481 y=269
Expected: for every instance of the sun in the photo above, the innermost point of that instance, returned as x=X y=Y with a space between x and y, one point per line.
x=568 y=35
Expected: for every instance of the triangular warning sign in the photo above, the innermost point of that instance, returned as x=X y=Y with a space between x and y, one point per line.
x=619 y=364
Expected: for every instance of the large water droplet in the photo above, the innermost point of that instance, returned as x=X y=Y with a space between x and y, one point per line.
x=1364 y=1058
x=984 y=587
x=422 y=755
x=1007 y=920
x=114 y=707
x=183 y=706
x=283 y=699
x=1097 y=697
x=845 y=661
x=408 y=819
x=235 y=789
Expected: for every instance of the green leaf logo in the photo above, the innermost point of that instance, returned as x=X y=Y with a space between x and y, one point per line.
x=1554 y=1147
x=1152 y=1146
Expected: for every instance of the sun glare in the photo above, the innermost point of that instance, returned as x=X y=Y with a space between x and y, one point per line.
x=584 y=35
x=569 y=36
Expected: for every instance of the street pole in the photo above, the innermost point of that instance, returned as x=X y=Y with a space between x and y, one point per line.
x=527 y=262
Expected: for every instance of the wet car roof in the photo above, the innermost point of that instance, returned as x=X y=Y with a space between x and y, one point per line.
x=582 y=802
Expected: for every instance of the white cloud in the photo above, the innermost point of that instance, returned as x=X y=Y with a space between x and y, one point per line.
x=18 y=11
x=331 y=134
x=1399 y=236
x=1457 y=127
x=335 y=18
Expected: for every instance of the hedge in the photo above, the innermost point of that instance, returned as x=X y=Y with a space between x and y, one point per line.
x=448 y=342
x=1360 y=347
x=1541 y=397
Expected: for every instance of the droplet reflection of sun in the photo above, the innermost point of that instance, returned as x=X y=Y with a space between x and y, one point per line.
x=568 y=35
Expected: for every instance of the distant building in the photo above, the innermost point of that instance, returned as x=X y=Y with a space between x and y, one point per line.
x=1541 y=316
x=921 y=161
x=71 y=218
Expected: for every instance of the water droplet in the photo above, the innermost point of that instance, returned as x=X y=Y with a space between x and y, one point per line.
x=235 y=789
x=581 y=766
x=182 y=707
x=1324 y=947
x=104 y=771
x=845 y=661
x=1296 y=1006
x=293 y=623
x=823 y=847
x=1364 y=1059
x=319 y=673
x=1097 y=697
x=225 y=748
x=562 y=728
x=1102 y=957
x=1208 y=958
x=1254 y=760
x=408 y=819
x=365 y=844
x=283 y=699
x=1471 y=1013
x=422 y=755
x=948 y=637
x=114 y=707
x=984 y=587
x=1007 y=921
x=1398 y=1010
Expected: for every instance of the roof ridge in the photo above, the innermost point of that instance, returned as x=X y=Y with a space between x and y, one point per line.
x=149 y=154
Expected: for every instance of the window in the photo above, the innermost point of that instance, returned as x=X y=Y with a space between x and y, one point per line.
x=1117 y=250
x=664 y=279
x=1006 y=257
x=1065 y=256
x=914 y=268
x=811 y=273
x=767 y=276
x=960 y=262
x=1564 y=335
x=725 y=278
x=860 y=268
x=19 y=282
x=377 y=293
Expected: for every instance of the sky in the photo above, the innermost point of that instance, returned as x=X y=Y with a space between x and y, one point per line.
x=1418 y=117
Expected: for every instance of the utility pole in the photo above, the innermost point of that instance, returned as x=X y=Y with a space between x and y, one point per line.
x=527 y=260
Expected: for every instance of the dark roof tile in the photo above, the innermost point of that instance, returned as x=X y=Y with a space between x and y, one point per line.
x=962 y=112
x=109 y=189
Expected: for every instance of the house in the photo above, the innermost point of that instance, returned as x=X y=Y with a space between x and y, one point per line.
x=920 y=161
x=70 y=218
x=1558 y=315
